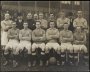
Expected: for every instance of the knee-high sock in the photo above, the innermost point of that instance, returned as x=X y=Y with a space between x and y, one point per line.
x=75 y=57
x=86 y=57
x=16 y=58
x=57 y=56
x=70 y=57
x=63 y=56
x=29 y=57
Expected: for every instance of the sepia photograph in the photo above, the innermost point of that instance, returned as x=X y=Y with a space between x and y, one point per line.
x=44 y=36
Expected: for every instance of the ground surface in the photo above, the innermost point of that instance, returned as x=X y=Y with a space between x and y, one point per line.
x=67 y=68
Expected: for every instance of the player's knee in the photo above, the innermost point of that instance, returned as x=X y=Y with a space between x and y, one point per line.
x=33 y=49
x=71 y=50
x=43 y=49
x=63 y=49
x=84 y=49
x=29 y=51
x=46 y=50
x=28 y=46
x=76 y=49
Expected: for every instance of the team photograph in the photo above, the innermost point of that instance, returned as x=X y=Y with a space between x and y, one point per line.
x=45 y=36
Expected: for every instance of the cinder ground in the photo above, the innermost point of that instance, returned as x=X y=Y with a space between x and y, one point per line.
x=24 y=67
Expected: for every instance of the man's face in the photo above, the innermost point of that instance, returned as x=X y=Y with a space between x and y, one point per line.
x=7 y=16
x=51 y=16
x=62 y=15
x=29 y=16
x=40 y=16
x=25 y=25
x=79 y=14
x=35 y=16
x=13 y=25
x=38 y=25
x=15 y=14
x=20 y=17
x=52 y=24
x=66 y=26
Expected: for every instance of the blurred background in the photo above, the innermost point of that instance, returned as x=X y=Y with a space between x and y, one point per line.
x=46 y=7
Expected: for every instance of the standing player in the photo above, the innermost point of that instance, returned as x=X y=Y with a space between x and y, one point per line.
x=38 y=37
x=52 y=35
x=5 y=26
x=25 y=41
x=79 y=44
x=30 y=21
x=13 y=36
x=80 y=21
x=20 y=22
x=66 y=38
x=62 y=20
x=44 y=23
x=35 y=17
x=71 y=17
x=51 y=18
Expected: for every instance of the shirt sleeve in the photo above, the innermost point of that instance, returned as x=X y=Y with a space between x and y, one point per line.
x=20 y=34
x=9 y=33
x=34 y=38
x=74 y=23
x=85 y=23
x=3 y=25
x=68 y=21
x=58 y=22
x=48 y=35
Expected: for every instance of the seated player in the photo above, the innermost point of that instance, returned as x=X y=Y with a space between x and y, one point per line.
x=52 y=35
x=25 y=42
x=79 y=44
x=66 y=37
x=38 y=37
x=13 y=36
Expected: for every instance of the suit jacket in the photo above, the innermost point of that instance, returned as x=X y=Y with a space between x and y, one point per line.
x=20 y=24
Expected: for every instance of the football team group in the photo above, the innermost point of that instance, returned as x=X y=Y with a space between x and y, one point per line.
x=37 y=39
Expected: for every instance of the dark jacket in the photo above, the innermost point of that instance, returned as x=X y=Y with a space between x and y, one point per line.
x=71 y=25
x=20 y=24
x=31 y=24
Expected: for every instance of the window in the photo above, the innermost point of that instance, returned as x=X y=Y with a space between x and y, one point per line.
x=66 y=2
x=77 y=2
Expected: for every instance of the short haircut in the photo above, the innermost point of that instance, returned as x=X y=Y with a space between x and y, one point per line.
x=65 y=23
x=7 y=14
x=52 y=21
x=38 y=21
x=40 y=13
x=13 y=22
x=25 y=23
x=51 y=14
x=29 y=13
x=79 y=12
x=35 y=14
x=62 y=12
